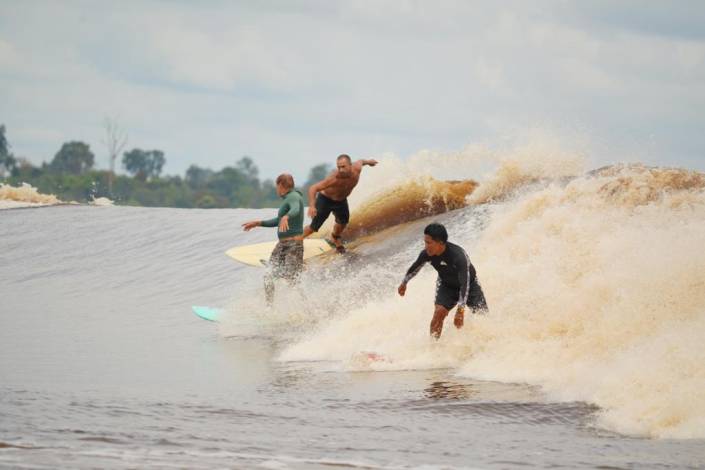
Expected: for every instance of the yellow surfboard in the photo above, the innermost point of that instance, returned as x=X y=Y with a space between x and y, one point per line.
x=258 y=254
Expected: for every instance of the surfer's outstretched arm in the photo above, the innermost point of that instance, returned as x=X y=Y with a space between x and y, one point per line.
x=247 y=226
x=369 y=162
x=413 y=271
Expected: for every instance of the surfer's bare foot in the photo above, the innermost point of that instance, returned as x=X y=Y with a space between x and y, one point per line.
x=338 y=243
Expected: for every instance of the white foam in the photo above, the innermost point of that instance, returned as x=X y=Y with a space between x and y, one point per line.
x=102 y=202
x=24 y=195
x=597 y=292
x=596 y=289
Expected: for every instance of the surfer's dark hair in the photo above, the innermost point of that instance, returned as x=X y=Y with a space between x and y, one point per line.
x=345 y=156
x=286 y=180
x=437 y=232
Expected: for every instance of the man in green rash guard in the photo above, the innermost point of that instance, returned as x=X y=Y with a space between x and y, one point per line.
x=287 y=260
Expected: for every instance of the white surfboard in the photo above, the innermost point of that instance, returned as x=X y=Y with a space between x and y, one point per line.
x=259 y=253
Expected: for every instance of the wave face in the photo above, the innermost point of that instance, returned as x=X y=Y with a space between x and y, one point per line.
x=596 y=287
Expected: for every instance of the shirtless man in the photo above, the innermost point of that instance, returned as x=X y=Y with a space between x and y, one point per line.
x=333 y=195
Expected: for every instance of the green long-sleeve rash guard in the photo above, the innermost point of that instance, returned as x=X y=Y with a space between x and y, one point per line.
x=293 y=206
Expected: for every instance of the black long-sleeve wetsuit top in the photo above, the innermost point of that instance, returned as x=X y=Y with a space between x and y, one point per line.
x=453 y=266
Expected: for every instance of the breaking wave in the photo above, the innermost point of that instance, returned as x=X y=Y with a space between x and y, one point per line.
x=595 y=281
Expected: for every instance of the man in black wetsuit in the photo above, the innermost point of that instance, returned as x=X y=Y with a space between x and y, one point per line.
x=457 y=281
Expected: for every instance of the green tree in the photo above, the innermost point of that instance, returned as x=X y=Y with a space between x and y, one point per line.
x=115 y=141
x=269 y=194
x=74 y=158
x=318 y=173
x=8 y=164
x=233 y=186
x=226 y=181
x=144 y=164
x=248 y=168
x=207 y=201
x=198 y=177
x=4 y=146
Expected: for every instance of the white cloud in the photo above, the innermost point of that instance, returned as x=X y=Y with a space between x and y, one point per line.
x=300 y=81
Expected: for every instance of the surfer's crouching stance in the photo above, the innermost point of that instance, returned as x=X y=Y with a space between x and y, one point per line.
x=287 y=259
x=457 y=281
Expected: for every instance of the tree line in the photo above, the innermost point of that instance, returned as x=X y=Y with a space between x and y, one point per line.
x=71 y=176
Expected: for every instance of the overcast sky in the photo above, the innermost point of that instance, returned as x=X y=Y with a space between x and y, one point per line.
x=295 y=83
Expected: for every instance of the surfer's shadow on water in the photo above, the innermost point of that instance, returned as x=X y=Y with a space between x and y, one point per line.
x=507 y=403
x=443 y=390
x=530 y=413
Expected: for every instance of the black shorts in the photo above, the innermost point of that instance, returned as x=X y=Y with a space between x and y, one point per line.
x=447 y=296
x=326 y=205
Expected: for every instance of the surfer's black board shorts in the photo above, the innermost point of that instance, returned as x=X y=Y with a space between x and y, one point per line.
x=448 y=296
x=326 y=205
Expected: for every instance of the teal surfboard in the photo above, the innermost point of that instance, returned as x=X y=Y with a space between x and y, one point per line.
x=207 y=313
